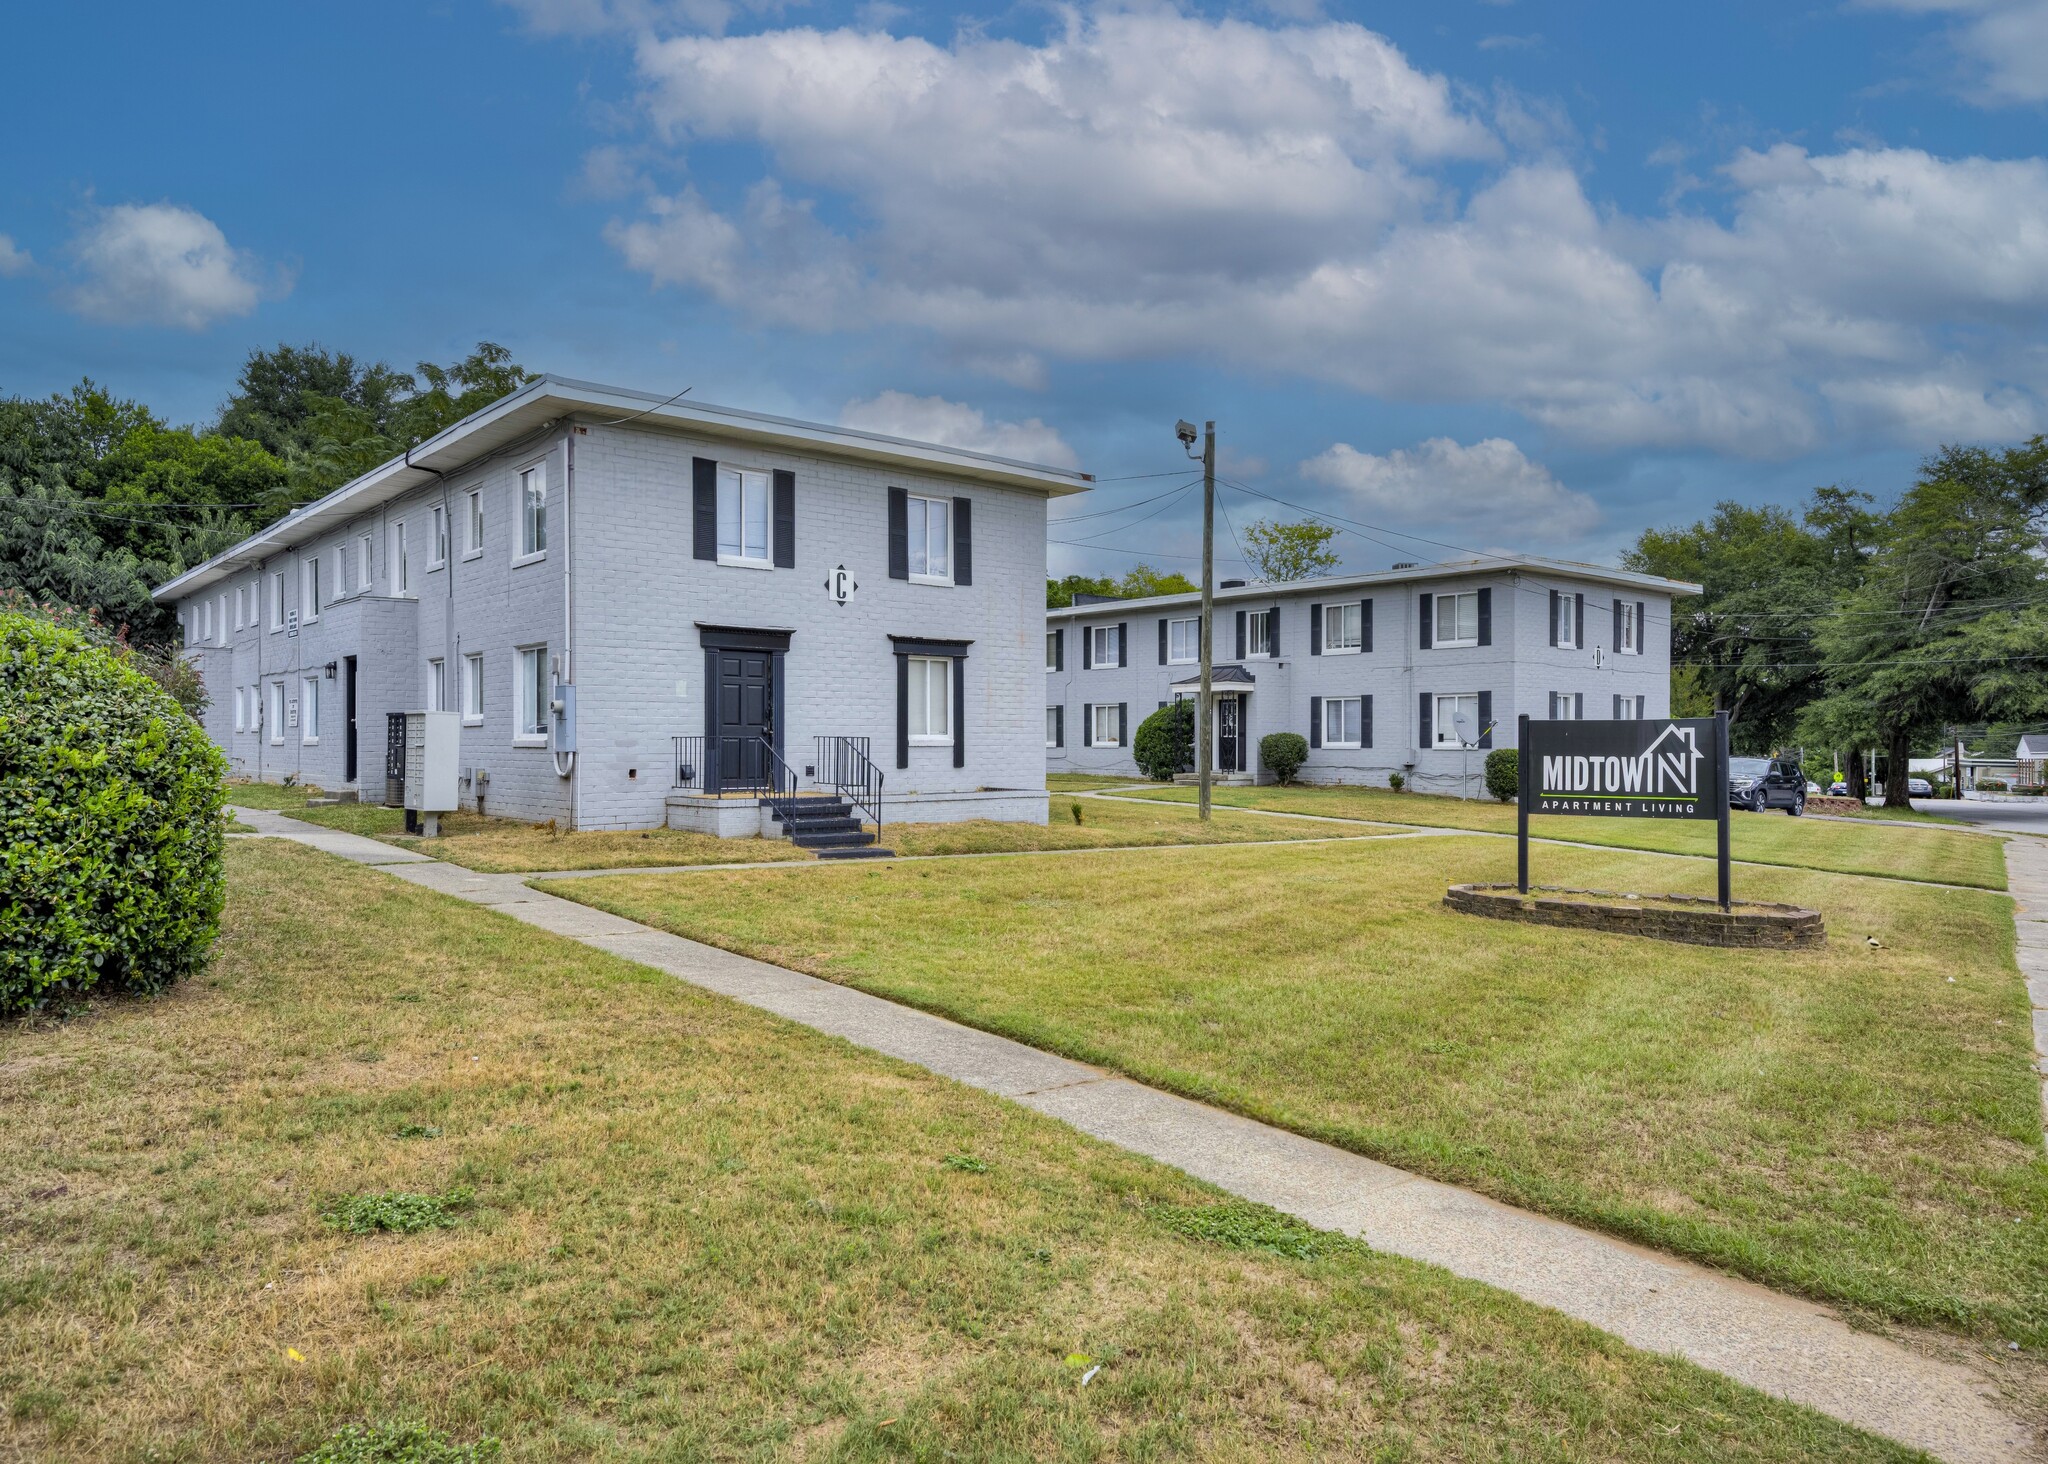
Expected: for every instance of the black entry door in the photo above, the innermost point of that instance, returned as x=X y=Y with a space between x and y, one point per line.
x=746 y=715
x=348 y=720
x=1226 y=734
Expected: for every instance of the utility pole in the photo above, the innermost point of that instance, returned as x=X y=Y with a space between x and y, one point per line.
x=1204 y=707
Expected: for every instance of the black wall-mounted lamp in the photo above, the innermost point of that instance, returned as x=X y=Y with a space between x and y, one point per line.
x=329 y=669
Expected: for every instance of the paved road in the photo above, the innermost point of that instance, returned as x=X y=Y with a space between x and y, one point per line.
x=2014 y=818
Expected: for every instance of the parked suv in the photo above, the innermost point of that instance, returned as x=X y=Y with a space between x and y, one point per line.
x=1758 y=783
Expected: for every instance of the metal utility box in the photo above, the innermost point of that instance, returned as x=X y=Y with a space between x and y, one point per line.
x=433 y=750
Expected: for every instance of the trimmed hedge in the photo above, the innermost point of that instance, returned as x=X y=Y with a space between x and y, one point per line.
x=1165 y=743
x=1283 y=753
x=1503 y=774
x=110 y=823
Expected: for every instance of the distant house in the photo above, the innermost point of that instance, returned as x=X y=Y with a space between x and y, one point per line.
x=2031 y=759
x=722 y=590
x=1414 y=671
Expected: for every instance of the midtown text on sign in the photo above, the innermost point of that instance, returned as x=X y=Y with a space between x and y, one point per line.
x=1627 y=769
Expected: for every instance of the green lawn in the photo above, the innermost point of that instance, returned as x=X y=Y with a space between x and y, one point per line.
x=506 y=846
x=694 y=1232
x=1762 y=838
x=1858 y=1123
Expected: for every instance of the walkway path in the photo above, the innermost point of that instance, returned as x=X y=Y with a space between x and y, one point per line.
x=1783 y=1345
x=2026 y=871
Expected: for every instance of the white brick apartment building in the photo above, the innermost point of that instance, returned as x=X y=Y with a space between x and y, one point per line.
x=1374 y=670
x=712 y=582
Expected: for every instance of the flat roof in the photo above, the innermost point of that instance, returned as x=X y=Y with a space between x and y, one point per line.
x=551 y=398
x=1261 y=590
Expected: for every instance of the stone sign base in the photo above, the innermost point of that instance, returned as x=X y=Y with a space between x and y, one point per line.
x=1693 y=919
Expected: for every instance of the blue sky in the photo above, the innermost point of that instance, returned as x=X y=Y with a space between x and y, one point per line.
x=1529 y=275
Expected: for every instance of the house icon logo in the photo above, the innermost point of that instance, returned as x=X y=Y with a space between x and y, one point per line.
x=1673 y=762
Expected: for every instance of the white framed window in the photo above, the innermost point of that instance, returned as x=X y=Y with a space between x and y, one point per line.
x=1448 y=710
x=1052 y=726
x=276 y=712
x=931 y=540
x=363 y=561
x=1568 y=622
x=1052 y=650
x=337 y=583
x=1343 y=721
x=238 y=607
x=1457 y=620
x=473 y=531
x=1343 y=629
x=401 y=560
x=238 y=709
x=532 y=727
x=1102 y=646
x=203 y=623
x=309 y=712
x=440 y=538
x=1564 y=707
x=220 y=619
x=1631 y=633
x=309 y=588
x=1628 y=708
x=533 y=512
x=1104 y=724
x=1183 y=641
x=277 y=600
x=1258 y=633
x=437 y=685
x=743 y=517
x=473 y=689
x=931 y=700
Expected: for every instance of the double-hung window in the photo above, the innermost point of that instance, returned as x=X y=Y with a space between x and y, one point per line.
x=533 y=511
x=401 y=560
x=1258 y=633
x=1457 y=719
x=473 y=541
x=1343 y=721
x=931 y=540
x=1183 y=640
x=931 y=700
x=363 y=561
x=1628 y=709
x=1457 y=620
x=473 y=689
x=1564 y=706
x=533 y=696
x=1102 y=647
x=1631 y=637
x=1106 y=724
x=1343 y=628
x=309 y=712
x=277 y=600
x=743 y=517
x=1052 y=726
x=238 y=709
x=1052 y=650
x=440 y=538
x=437 y=685
x=309 y=587
x=276 y=712
x=1568 y=621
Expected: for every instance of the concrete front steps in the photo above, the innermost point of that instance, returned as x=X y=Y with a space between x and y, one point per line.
x=829 y=828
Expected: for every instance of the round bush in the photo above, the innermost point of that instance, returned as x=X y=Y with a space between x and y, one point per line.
x=110 y=822
x=1283 y=753
x=1165 y=743
x=1503 y=774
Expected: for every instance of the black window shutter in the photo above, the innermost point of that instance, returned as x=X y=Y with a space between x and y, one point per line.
x=963 y=541
x=1425 y=739
x=1485 y=716
x=1273 y=633
x=1059 y=726
x=1123 y=643
x=1553 y=617
x=1617 y=708
x=1486 y=617
x=1428 y=604
x=784 y=520
x=704 y=508
x=1617 y=625
x=1579 y=705
x=1578 y=621
x=1315 y=721
x=1642 y=629
x=1162 y=640
x=1087 y=724
x=1162 y=706
x=1059 y=650
x=1365 y=721
x=1240 y=635
x=903 y=711
x=899 y=534
x=1087 y=634
x=959 y=712
x=1123 y=724
x=1365 y=624
x=1315 y=630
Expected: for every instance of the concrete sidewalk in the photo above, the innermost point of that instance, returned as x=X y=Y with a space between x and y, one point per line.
x=1785 y=1346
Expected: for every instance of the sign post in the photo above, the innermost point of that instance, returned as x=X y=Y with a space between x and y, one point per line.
x=1671 y=768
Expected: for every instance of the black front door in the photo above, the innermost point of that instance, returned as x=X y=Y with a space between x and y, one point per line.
x=1226 y=734
x=348 y=720
x=746 y=715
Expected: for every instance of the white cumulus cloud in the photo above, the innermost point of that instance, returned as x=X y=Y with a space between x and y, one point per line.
x=955 y=424
x=14 y=260
x=162 y=264
x=1488 y=488
x=2003 y=45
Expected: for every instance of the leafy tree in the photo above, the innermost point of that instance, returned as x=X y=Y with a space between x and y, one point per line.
x=276 y=395
x=1059 y=593
x=1142 y=580
x=1283 y=553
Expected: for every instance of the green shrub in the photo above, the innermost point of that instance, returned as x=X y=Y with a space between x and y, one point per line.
x=398 y=1443
x=110 y=822
x=1503 y=774
x=1397 y=780
x=1165 y=743
x=1283 y=753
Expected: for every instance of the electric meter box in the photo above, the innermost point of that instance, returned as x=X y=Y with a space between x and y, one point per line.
x=433 y=752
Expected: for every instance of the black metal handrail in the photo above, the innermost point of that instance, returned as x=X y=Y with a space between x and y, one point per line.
x=779 y=786
x=845 y=767
x=687 y=765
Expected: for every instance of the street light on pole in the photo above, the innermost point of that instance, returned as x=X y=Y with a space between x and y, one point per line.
x=1204 y=758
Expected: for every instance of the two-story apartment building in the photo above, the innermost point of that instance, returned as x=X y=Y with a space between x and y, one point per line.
x=710 y=583
x=1417 y=670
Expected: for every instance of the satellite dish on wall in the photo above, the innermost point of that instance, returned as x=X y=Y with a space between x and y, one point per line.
x=1462 y=725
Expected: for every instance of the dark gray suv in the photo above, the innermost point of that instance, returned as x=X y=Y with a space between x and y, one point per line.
x=1758 y=783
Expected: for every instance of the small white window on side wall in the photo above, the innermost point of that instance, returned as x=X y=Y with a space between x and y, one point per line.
x=1106 y=731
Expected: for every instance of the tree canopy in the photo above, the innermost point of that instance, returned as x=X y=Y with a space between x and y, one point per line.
x=1139 y=581
x=1282 y=553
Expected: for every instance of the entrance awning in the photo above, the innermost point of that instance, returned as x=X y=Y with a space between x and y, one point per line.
x=1232 y=678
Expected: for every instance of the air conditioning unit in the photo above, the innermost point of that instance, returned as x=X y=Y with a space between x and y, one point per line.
x=433 y=752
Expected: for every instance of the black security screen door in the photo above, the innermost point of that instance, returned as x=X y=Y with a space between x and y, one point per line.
x=1226 y=734
x=746 y=714
x=348 y=709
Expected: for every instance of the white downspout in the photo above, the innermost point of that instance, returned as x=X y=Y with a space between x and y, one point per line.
x=568 y=599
